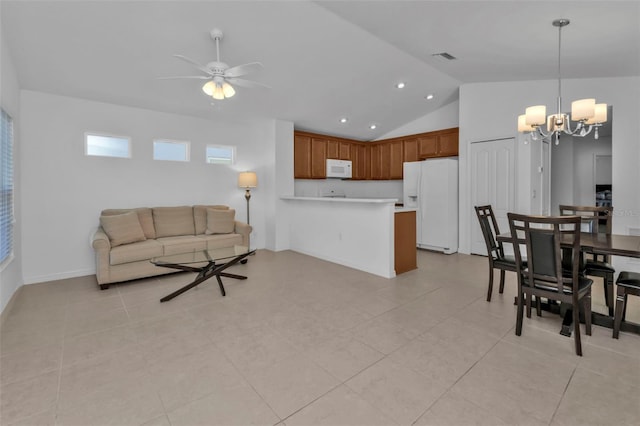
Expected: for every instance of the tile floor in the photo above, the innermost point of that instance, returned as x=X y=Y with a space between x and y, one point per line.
x=307 y=342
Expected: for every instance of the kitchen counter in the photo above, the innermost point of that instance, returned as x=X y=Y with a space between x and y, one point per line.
x=344 y=199
x=355 y=232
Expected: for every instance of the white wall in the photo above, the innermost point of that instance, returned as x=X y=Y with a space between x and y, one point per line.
x=277 y=217
x=443 y=118
x=11 y=271
x=490 y=110
x=63 y=191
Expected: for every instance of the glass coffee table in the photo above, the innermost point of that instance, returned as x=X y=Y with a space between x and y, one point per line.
x=207 y=263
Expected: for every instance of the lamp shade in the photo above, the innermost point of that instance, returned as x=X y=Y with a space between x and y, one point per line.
x=600 y=115
x=583 y=109
x=523 y=126
x=228 y=90
x=247 y=180
x=536 y=115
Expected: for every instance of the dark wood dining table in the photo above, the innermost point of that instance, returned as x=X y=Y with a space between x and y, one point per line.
x=611 y=245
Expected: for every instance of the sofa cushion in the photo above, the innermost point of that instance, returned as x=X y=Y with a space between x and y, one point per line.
x=122 y=228
x=200 y=216
x=144 y=216
x=173 y=221
x=220 y=221
x=181 y=244
x=215 y=241
x=143 y=250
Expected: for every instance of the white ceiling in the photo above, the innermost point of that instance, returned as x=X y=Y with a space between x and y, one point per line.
x=323 y=60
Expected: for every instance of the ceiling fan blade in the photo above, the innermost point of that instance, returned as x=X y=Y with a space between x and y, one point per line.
x=247 y=83
x=199 y=77
x=194 y=63
x=242 y=69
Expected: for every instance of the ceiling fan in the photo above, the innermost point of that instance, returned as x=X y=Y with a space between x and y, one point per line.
x=220 y=77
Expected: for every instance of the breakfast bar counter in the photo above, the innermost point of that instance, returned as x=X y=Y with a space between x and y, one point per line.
x=355 y=232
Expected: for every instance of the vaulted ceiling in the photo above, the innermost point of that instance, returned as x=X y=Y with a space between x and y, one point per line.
x=323 y=60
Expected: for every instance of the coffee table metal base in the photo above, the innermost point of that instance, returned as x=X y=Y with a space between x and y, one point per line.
x=204 y=273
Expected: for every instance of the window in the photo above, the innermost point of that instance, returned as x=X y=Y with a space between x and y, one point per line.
x=170 y=150
x=221 y=154
x=6 y=187
x=107 y=146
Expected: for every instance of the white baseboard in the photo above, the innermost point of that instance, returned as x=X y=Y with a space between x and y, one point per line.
x=58 y=276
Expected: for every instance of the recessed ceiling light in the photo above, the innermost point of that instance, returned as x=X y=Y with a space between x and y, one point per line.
x=344 y=119
x=372 y=126
x=429 y=97
x=400 y=85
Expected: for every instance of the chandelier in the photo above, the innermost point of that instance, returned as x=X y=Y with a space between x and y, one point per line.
x=585 y=112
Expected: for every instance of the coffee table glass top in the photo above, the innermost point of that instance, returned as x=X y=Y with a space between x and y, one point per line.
x=201 y=256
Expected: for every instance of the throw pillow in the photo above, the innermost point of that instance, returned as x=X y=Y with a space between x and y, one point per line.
x=220 y=221
x=122 y=228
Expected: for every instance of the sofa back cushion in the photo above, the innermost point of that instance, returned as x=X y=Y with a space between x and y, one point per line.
x=122 y=228
x=200 y=216
x=220 y=221
x=173 y=221
x=144 y=216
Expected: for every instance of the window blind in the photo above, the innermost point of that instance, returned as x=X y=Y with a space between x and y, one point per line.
x=6 y=186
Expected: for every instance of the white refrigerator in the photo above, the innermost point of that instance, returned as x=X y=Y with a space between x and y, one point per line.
x=431 y=186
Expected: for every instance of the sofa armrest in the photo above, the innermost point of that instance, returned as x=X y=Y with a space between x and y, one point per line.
x=100 y=240
x=102 y=246
x=244 y=230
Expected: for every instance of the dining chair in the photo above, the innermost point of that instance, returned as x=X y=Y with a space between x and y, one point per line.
x=596 y=220
x=543 y=275
x=627 y=283
x=495 y=249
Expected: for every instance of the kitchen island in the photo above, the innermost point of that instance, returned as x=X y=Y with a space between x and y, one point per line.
x=355 y=232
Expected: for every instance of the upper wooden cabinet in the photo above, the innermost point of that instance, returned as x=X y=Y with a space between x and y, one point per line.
x=371 y=160
x=302 y=157
x=318 y=158
x=396 y=158
x=410 y=148
x=441 y=143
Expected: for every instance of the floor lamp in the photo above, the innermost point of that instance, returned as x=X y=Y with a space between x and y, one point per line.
x=247 y=180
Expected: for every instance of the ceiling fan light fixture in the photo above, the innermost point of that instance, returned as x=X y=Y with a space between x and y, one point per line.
x=228 y=90
x=208 y=88
x=218 y=93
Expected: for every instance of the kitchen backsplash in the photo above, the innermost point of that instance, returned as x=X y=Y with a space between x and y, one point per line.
x=351 y=188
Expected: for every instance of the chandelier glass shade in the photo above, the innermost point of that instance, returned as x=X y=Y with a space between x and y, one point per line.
x=585 y=113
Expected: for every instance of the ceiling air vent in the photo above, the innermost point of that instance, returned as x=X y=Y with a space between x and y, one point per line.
x=445 y=55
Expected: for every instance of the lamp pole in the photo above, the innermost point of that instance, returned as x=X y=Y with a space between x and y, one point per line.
x=247 y=195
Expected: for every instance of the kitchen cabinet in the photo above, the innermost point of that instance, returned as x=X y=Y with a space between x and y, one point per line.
x=361 y=161
x=410 y=148
x=441 y=143
x=396 y=158
x=302 y=157
x=376 y=162
x=318 y=158
x=371 y=160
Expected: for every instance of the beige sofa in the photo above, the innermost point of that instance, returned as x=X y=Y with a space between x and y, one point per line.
x=128 y=238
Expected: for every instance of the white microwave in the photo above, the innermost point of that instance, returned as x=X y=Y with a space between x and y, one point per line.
x=339 y=169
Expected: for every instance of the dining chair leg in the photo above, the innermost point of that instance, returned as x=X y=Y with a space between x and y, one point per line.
x=576 y=327
x=608 y=291
x=620 y=307
x=519 y=314
x=502 y=273
x=538 y=307
x=587 y=313
x=529 y=306
x=490 y=283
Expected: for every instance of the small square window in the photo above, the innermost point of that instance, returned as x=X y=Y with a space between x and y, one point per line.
x=170 y=150
x=221 y=154
x=107 y=146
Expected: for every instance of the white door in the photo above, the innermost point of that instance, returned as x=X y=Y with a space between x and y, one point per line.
x=492 y=182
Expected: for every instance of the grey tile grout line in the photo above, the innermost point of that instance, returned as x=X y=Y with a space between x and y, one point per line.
x=563 y=394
